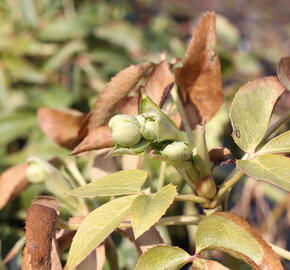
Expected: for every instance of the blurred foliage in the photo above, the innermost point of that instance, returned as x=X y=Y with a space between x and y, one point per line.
x=60 y=54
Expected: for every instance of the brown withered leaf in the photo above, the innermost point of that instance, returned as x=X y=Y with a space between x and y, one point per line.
x=60 y=126
x=98 y=138
x=40 y=231
x=199 y=78
x=12 y=182
x=283 y=71
x=114 y=92
x=220 y=155
x=147 y=240
x=129 y=105
x=202 y=264
x=55 y=256
x=103 y=166
x=159 y=83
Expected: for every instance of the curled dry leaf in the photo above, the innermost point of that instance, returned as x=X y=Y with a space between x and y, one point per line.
x=202 y=264
x=40 y=231
x=12 y=182
x=60 y=126
x=159 y=83
x=117 y=89
x=283 y=71
x=97 y=139
x=220 y=155
x=147 y=240
x=199 y=78
x=232 y=234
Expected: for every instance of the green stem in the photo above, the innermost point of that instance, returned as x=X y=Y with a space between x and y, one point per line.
x=171 y=221
x=182 y=113
x=191 y=198
x=161 y=177
x=73 y=169
x=225 y=187
x=281 y=252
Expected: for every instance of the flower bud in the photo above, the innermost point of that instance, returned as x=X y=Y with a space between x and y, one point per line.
x=125 y=130
x=206 y=187
x=148 y=127
x=177 y=151
x=35 y=173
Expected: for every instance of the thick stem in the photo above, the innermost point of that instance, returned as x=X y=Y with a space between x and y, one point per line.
x=191 y=198
x=225 y=187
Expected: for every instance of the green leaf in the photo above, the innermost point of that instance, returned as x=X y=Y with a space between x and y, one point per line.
x=16 y=125
x=98 y=225
x=120 y=183
x=202 y=264
x=135 y=150
x=251 y=110
x=231 y=234
x=279 y=144
x=146 y=210
x=163 y=258
x=271 y=168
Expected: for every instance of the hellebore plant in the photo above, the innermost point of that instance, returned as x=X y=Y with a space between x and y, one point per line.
x=135 y=206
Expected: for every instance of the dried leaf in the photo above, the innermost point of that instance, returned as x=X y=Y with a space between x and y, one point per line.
x=115 y=90
x=199 y=78
x=232 y=234
x=159 y=83
x=103 y=166
x=201 y=264
x=12 y=182
x=283 y=71
x=60 y=126
x=129 y=105
x=55 y=256
x=220 y=155
x=97 y=139
x=40 y=230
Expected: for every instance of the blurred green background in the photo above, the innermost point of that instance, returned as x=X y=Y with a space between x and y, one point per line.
x=60 y=54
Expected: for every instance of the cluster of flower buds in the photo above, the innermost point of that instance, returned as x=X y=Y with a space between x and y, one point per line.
x=152 y=129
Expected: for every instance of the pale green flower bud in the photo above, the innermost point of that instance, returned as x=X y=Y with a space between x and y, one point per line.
x=35 y=173
x=125 y=130
x=177 y=151
x=148 y=127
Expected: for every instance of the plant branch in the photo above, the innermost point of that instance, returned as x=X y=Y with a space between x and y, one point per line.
x=281 y=252
x=191 y=198
x=225 y=187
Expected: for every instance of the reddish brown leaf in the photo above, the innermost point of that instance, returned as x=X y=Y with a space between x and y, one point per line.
x=12 y=182
x=199 y=78
x=60 y=126
x=129 y=105
x=103 y=166
x=202 y=264
x=220 y=155
x=97 y=139
x=40 y=230
x=147 y=240
x=283 y=71
x=114 y=92
x=159 y=83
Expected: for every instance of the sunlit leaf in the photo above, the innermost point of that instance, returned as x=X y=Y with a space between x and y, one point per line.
x=271 y=168
x=99 y=224
x=279 y=144
x=146 y=210
x=120 y=183
x=251 y=110
x=163 y=257
x=232 y=234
